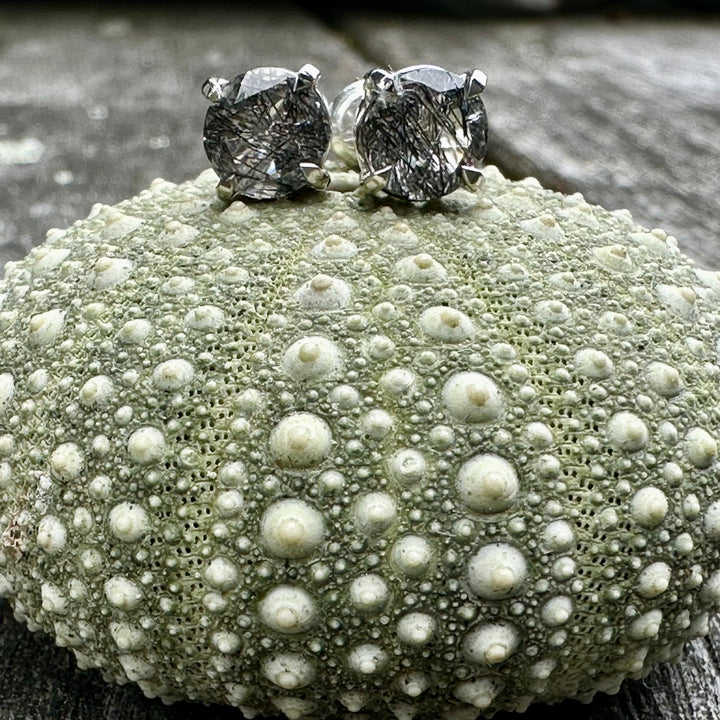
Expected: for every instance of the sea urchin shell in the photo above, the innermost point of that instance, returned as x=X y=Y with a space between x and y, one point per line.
x=343 y=456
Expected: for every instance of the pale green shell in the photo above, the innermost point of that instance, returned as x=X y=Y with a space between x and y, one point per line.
x=336 y=456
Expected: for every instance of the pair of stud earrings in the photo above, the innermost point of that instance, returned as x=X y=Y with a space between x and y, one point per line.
x=417 y=134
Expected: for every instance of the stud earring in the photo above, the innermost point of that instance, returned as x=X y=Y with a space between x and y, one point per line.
x=267 y=132
x=418 y=133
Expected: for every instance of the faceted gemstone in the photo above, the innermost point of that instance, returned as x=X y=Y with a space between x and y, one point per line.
x=265 y=123
x=418 y=127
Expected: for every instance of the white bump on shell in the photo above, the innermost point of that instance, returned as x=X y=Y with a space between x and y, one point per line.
x=67 y=461
x=376 y=423
x=127 y=637
x=593 y=363
x=122 y=592
x=711 y=521
x=375 y=513
x=97 y=391
x=626 y=431
x=664 y=379
x=369 y=593
x=653 y=580
x=472 y=397
x=413 y=683
x=204 y=318
x=291 y=528
x=323 y=292
x=649 y=506
x=300 y=440
x=558 y=536
x=407 y=466
x=289 y=670
x=146 y=445
x=109 y=272
x=420 y=269
x=135 y=332
x=479 y=693
x=416 y=628
x=557 y=611
x=312 y=358
x=491 y=643
x=228 y=503
x=446 y=325
x=226 y=642
x=221 y=573
x=53 y=599
x=487 y=483
x=129 y=522
x=646 y=626
x=51 y=534
x=45 y=327
x=288 y=610
x=398 y=381
x=7 y=390
x=497 y=571
x=173 y=374
x=700 y=448
x=367 y=659
x=412 y=555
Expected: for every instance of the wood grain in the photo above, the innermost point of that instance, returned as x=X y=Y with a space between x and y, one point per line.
x=115 y=100
x=625 y=111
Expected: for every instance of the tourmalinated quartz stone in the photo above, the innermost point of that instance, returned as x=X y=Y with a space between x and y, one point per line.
x=261 y=126
x=333 y=459
x=422 y=130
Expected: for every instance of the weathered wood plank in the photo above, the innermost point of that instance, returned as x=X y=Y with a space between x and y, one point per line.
x=625 y=111
x=123 y=108
x=94 y=107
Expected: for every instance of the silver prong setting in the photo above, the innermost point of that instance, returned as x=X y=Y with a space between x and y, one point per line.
x=316 y=176
x=379 y=80
x=471 y=176
x=213 y=88
x=226 y=190
x=307 y=77
x=475 y=82
x=376 y=181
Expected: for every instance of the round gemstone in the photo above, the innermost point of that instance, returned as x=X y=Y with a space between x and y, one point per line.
x=417 y=128
x=265 y=122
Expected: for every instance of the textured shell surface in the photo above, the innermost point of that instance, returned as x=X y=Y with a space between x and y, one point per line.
x=343 y=457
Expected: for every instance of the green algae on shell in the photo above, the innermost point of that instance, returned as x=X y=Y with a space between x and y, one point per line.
x=334 y=456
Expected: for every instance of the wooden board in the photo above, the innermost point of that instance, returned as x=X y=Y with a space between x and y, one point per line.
x=625 y=111
x=101 y=105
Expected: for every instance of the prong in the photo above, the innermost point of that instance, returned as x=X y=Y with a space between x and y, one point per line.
x=475 y=82
x=471 y=176
x=379 y=80
x=307 y=77
x=377 y=181
x=317 y=177
x=226 y=189
x=213 y=88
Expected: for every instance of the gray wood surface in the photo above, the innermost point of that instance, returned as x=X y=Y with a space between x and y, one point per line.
x=92 y=107
x=108 y=103
x=626 y=111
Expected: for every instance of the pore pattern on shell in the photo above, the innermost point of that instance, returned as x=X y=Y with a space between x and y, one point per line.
x=332 y=456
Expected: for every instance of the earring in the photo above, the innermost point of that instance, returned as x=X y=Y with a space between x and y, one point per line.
x=418 y=133
x=267 y=132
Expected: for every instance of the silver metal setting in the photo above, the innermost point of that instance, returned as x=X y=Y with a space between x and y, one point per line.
x=418 y=133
